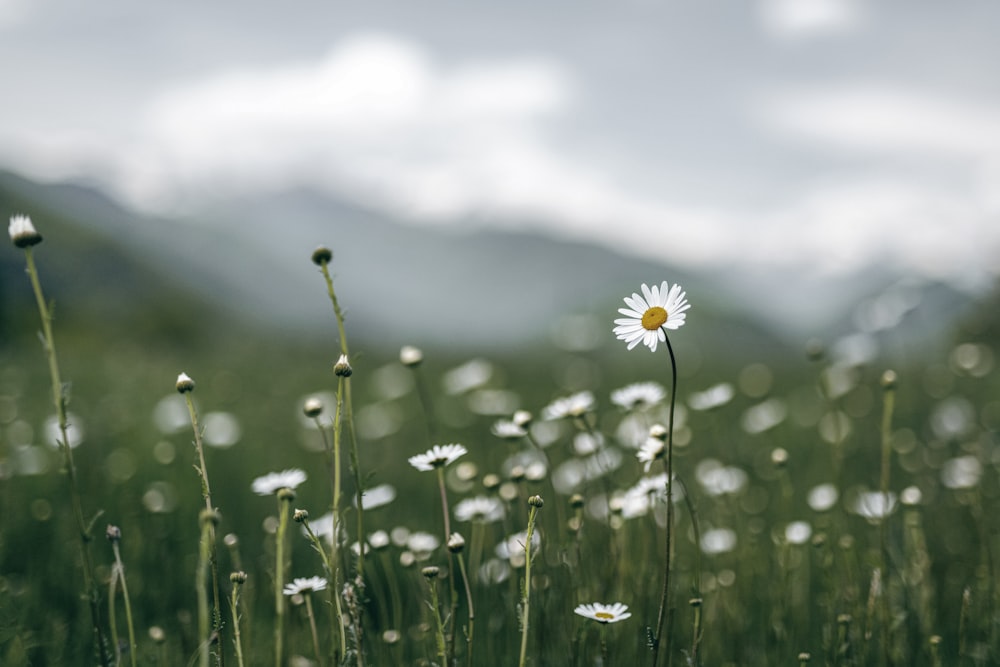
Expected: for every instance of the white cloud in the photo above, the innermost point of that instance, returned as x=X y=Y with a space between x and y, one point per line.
x=872 y=118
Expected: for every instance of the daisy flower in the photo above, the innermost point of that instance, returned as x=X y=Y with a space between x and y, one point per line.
x=576 y=405
x=650 y=314
x=651 y=450
x=638 y=395
x=480 y=509
x=604 y=613
x=508 y=430
x=301 y=585
x=273 y=482
x=437 y=457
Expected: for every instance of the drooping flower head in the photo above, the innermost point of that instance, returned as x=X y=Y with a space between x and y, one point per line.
x=273 y=482
x=650 y=314
x=437 y=457
x=604 y=613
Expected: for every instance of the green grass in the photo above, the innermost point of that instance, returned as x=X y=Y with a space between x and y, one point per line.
x=764 y=600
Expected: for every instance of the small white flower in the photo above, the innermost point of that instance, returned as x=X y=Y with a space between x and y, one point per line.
x=576 y=405
x=481 y=509
x=437 y=457
x=273 y=482
x=604 y=613
x=22 y=232
x=650 y=314
x=508 y=430
x=301 y=585
x=638 y=395
x=651 y=450
x=713 y=397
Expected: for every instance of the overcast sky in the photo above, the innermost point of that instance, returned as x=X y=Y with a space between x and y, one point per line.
x=820 y=135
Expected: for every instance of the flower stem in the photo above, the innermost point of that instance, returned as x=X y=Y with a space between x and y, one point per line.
x=312 y=627
x=206 y=493
x=665 y=595
x=128 y=603
x=234 y=608
x=279 y=575
x=331 y=566
x=59 y=400
x=526 y=594
x=472 y=610
x=888 y=382
x=451 y=564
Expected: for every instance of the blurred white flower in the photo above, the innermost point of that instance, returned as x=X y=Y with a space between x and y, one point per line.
x=508 y=430
x=874 y=505
x=638 y=395
x=604 y=613
x=713 y=397
x=718 y=541
x=481 y=509
x=437 y=457
x=823 y=497
x=798 y=532
x=273 y=482
x=649 y=315
x=651 y=450
x=962 y=472
x=576 y=405
x=301 y=585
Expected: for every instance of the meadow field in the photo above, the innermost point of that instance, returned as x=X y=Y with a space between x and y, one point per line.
x=189 y=498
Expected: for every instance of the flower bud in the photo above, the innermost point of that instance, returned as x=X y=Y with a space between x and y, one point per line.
x=342 y=368
x=286 y=494
x=536 y=501
x=322 y=255
x=184 y=383
x=456 y=543
x=113 y=533
x=889 y=380
x=238 y=577
x=22 y=232
x=431 y=571
x=410 y=356
x=313 y=407
x=658 y=431
x=522 y=418
x=299 y=516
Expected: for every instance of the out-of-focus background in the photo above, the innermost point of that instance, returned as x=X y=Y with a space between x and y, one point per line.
x=492 y=179
x=815 y=167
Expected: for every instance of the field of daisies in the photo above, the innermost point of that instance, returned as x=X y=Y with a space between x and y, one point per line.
x=349 y=506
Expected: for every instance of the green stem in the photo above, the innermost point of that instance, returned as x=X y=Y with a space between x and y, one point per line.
x=665 y=594
x=201 y=577
x=234 y=608
x=330 y=564
x=888 y=380
x=279 y=576
x=526 y=594
x=442 y=650
x=59 y=401
x=312 y=627
x=128 y=603
x=472 y=610
x=206 y=493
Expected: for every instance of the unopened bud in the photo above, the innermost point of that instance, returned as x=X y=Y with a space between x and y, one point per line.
x=322 y=255
x=313 y=407
x=410 y=356
x=22 y=232
x=184 y=383
x=342 y=368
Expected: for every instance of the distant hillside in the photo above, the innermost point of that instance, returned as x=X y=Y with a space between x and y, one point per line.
x=462 y=287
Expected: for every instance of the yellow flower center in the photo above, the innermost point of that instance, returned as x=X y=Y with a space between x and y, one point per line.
x=603 y=615
x=654 y=318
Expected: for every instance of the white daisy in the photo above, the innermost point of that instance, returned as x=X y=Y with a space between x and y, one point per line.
x=649 y=314
x=506 y=429
x=576 y=405
x=651 y=450
x=481 y=509
x=301 y=585
x=638 y=395
x=604 y=613
x=273 y=482
x=437 y=457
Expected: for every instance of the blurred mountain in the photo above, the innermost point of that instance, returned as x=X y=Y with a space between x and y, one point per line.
x=248 y=261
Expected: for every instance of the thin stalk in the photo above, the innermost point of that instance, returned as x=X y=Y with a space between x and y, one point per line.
x=237 y=578
x=204 y=555
x=888 y=384
x=112 y=618
x=442 y=651
x=453 y=600
x=472 y=610
x=120 y=570
x=206 y=493
x=284 y=501
x=59 y=401
x=665 y=594
x=329 y=564
x=312 y=627
x=534 y=503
